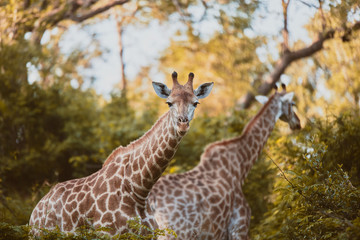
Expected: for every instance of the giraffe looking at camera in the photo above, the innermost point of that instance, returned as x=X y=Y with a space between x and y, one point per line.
x=118 y=191
x=207 y=202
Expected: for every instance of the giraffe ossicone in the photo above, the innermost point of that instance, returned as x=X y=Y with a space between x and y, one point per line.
x=207 y=202
x=118 y=191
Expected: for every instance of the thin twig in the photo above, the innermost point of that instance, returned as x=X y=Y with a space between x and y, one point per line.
x=282 y=172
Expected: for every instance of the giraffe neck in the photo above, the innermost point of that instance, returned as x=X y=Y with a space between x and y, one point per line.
x=236 y=156
x=141 y=163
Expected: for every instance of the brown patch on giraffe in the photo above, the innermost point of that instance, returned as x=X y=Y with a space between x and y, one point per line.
x=120 y=220
x=163 y=146
x=90 y=214
x=147 y=183
x=77 y=188
x=256 y=146
x=75 y=216
x=141 y=192
x=71 y=197
x=122 y=170
x=113 y=202
x=136 y=178
x=57 y=193
x=111 y=170
x=86 y=188
x=128 y=210
x=97 y=216
x=264 y=132
x=126 y=186
x=128 y=170
x=176 y=215
x=101 y=203
x=156 y=171
x=141 y=161
x=35 y=214
x=92 y=182
x=173 y=142
x=221 y=191
x=100 y=187
x=136 y=165
x=169 y=153
x=65 y=196
x=40 y=206
x=58 y=207
x=51 y=218
x=161 y=161
x=250 y=140
x=191 y=217
x=86 y=203
x=67 y=223
x=128 y=200
x=80 y=196
x=223 y=173
x=177 y=193
x=257 y=138
x=154 y=147
x=247 y=152
x=242 y=211
x=71 y=206
x=69 y=185
x=214 y=199
x=147 y=153
x=114 y=184
x=107 y=218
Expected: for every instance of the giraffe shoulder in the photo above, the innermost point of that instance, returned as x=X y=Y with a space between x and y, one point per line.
x=116 y=152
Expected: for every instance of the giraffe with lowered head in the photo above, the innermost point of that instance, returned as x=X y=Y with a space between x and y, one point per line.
x=118 y=191
x=207 y=202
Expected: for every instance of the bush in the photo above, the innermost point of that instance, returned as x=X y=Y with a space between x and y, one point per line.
x=8 y=231
x=316 y=198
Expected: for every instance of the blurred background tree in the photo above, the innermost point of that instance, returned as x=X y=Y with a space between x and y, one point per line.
x=55 y=126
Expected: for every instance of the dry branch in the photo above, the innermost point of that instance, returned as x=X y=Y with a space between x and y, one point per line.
x=94 y=12
x=290 y=56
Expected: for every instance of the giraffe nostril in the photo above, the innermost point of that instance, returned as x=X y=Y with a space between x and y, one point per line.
x=183 y=119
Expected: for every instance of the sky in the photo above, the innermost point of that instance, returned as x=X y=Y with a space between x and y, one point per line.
x=143 y=44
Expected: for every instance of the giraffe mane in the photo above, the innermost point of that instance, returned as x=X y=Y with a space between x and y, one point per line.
x=133 y=145
x=244 y=132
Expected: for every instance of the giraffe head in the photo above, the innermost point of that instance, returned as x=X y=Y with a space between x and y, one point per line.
x=286 y=111
x=182 y=100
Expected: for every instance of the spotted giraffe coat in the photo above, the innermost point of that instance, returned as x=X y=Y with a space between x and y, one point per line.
x=115 y=193
x=207 y=202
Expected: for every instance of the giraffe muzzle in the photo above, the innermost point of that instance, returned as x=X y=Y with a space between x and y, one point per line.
x=182 y=127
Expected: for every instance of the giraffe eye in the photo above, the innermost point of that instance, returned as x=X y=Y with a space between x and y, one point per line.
x=195 y=104
x=169 y=104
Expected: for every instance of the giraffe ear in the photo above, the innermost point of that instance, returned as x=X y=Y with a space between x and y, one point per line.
x=161 y=89
x=288 y=97
x=203 y=90
x=262 y=99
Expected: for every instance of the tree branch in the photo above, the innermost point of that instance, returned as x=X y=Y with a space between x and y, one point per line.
x=290 y=57
x=285 y=31
x=96 y=11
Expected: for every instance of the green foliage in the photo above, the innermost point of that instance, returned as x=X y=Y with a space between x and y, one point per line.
x=316 y=198
x=8 y=231
x=137 y=231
